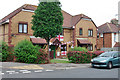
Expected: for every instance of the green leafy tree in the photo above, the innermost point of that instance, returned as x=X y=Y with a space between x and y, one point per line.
x=114 y=21
x=47 y=20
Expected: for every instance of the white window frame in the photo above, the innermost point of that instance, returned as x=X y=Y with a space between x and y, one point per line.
x=101 y=35
x=24 y=30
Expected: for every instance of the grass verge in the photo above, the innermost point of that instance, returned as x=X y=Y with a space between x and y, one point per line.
x=58 y=61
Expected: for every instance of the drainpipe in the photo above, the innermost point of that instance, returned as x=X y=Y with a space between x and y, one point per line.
x=103 y=39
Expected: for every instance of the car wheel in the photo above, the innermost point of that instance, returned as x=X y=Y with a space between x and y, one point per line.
x=110 y=65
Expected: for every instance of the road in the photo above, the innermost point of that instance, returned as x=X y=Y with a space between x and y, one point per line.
x=76 y=72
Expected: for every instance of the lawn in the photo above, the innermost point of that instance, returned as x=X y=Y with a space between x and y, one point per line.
x=58 y=61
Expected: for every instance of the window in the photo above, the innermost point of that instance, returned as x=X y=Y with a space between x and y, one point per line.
x=101 y=35
x=22 y=27
x=98 y=35
x=114 y=37
x=90 y=47
x=80 y=31
x=116 y=55
x=90 y=32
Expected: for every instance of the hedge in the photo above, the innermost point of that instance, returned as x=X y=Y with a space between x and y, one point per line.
x=26 y=52
x=42 y=57
x=4 y=53
x=81 y=57
x=83 y=49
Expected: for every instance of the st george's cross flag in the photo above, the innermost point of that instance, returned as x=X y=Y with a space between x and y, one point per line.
x=60 y=37
x=63 y=52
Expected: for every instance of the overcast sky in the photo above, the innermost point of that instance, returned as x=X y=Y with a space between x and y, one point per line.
x=101 y=11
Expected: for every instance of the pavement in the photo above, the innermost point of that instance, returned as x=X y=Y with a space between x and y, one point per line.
x=15 y=65
x=58 y=70
x=13 y=68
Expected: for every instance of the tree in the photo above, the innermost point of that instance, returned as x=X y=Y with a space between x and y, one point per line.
x=47 y=20
x=114 y=21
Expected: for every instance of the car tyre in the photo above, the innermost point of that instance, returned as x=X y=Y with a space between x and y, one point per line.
x=110 y=65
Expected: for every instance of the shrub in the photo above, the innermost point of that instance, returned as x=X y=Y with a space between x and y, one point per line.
x=23 y=51
x=4 y=51
x=32 y=59
x=83 y=49
x=10 y=55
x=26 y=52
x=98 y=52
x=80 y=57
x=42 y=57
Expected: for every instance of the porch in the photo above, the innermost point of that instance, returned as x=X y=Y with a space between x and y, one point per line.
x=85 y=43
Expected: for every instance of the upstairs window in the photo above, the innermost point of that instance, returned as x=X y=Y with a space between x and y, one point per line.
x=98 y=35
x=23 y=28
x=80 y=31
x=90 y=32
x=101 y=35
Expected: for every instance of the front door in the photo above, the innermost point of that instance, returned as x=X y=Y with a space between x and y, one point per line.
x=53 y=48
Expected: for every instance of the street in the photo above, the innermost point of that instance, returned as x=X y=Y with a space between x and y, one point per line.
x=62 y=71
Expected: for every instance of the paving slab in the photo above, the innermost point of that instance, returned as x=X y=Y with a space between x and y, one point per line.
x=16 y=65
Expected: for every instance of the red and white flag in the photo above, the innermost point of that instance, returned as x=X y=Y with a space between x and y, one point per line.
x=60 y=37
x=63 y=52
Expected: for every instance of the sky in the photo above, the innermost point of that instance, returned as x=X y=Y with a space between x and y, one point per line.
x=101 y=11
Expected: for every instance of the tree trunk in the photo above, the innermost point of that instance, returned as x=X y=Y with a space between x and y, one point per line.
x=48 y=49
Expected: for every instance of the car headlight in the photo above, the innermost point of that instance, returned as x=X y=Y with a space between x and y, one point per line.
x=91 y=60
x=103 y=61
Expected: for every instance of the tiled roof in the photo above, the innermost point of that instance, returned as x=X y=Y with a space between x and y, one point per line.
x=76 y=18
x=118 y=27
x=30 y=7
x=68 y=21
x=83 y=41
x=107 y=27
x=117 y=44
x=52 y=40
x=38 y=41
x=55 y=41
x=25 y=6
x=43 y=41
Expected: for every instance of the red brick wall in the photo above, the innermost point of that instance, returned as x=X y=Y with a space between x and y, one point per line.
x=108 y=40
x=99 y=43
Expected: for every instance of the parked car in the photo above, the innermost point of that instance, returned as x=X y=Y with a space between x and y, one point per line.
x=107 y=59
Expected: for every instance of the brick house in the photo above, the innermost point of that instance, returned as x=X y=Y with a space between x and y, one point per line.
x=78 y=30
x=108 y=36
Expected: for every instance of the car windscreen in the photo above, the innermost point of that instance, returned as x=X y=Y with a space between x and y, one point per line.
x=106 y=54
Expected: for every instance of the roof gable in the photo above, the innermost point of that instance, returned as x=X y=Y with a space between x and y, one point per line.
x=107 y=28
x=77 y=18
x=25 y=6
x=69 y=21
